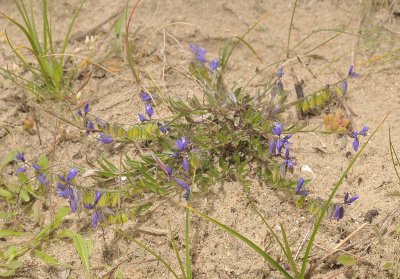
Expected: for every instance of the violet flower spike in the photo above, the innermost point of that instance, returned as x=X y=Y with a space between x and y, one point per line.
x=299 y=190
x=348 y=200
x=280 y=72
x=36 y=167
x=141 y=117
x=72 y=174
x=272 y=147
x=214 y=64
x=20 y=170
x=86 y=108
x=97 y=218
x=105 y=139
x=96 y=200
x=145 y=97
x=149 y=110
x=185 y=164
x=199 y=53
x=20 y=156
x=277 y=129
x=182 y=144
x=352 y=74
x=339 y=212
x=89 y=127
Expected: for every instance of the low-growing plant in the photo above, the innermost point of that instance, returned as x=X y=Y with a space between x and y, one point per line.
x=49 y=76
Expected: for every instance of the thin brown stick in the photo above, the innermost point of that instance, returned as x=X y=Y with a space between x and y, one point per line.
x=36 y=125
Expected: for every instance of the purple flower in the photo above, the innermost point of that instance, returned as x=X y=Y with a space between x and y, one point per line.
x=42 y=179
x=288 y=163
x=149 y=110
x=199 y=52
x=71 y=175
x=20 y=157
x=299 y=190
x=36 y=167
x=164 y=128
x=89 y=127
x=86 y=108
x=352 y=74
x=101 y=123
x=343 y=86
x=145 y=96
x=79 y=112
x=185 y=164
x=348 y=200
x=355 y=134
x=339 y=212
x=142 y=118
x=277 y=129
x=63 y=191
x=73 y=203
x=182 y=144
x=96 y=200
x=184 y=185
x=97 y=218
x=214 y=64
x=20 y=170
x=105 y=139
x=280 y=72
x=168 y=170
x=284 y=142
x=272 y=147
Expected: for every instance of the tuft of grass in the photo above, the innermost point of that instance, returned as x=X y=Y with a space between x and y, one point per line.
x=48 y=71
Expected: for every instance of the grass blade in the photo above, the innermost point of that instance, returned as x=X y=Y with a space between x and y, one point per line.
x=173 y=243
x=187 y=245
x=290 y=29
x=82 y=247
x=329 y=201
x=251 y=244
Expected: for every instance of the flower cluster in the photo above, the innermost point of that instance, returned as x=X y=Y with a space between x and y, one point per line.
x=147 y=100
x=200 y=55
x=276 y=147
x=39 y=171
x=355 y=134
x=66 y=188
x=339 y=209
x=90 y=125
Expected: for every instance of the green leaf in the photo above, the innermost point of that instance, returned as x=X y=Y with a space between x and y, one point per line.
x=8 y=159
x=388 y=265
x=5 y=194
x=11 y=267
x=43 y=162
x=6 y=233
x=346 y=260
x=46 y=257
x=82 y=247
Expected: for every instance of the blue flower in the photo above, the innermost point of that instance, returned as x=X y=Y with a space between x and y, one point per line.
x=71 y=175
x=199 y=52
x=339 y=212
x=272 y=147
x=145 y=96
x=168 y=170
x=79 y=112
x=182 y=144
x=149 y=110
x=20 y=170
x=20 y=156
x=42 y=179
x=105 y=139
x=299 y=190
x=86 y=108
x=288 y=163
x=185 y=164
x=97 y=218
x=89 y=127
x=184 y=185
x=142 y=118
x=280 y=72
x=355 y=134
x=96 y=200
x=164 y=128
x=348 y=200
x=214 y=64
x=284 y=142
x=37 y=167
x=277 y=129
x=352 y=74
x=343 y=86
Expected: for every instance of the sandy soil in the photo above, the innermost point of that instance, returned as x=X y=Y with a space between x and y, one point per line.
x=215 y=254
